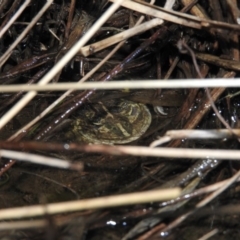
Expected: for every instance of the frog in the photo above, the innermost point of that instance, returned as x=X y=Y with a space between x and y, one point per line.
x=117 y=122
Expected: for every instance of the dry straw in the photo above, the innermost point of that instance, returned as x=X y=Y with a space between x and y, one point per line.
x=95 y=203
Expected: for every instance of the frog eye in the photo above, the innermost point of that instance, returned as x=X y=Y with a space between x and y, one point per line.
x=134 y=111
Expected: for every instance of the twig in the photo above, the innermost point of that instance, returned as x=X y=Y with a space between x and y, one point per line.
x=176 y=17
x=42 y=160
x=24 y=224
x=70 y=17
x=209 y=234
x=95 y=203
x=138 y=84
x=189 y=153
x=98 y=46
x=195 y=134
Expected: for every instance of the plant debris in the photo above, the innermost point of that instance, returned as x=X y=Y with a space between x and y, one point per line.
x=119 y=163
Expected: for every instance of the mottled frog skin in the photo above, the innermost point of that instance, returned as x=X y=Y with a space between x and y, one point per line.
x=113 y=123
